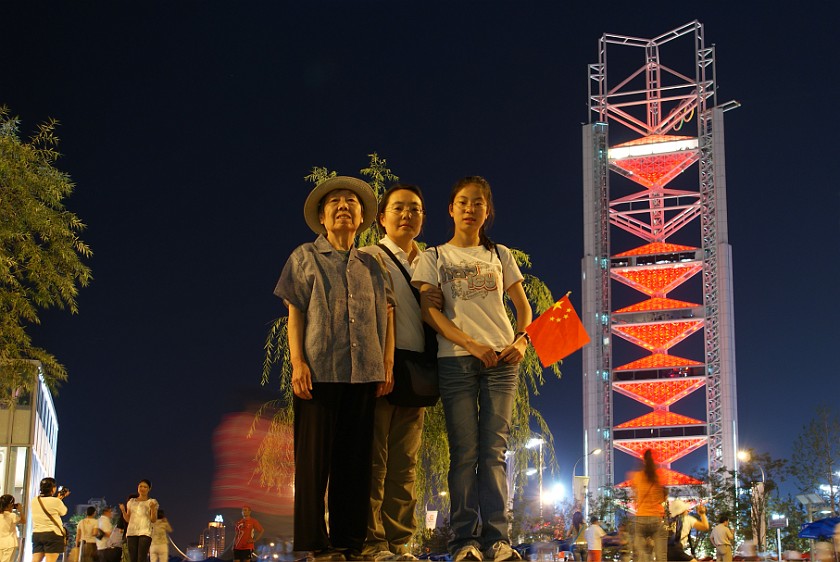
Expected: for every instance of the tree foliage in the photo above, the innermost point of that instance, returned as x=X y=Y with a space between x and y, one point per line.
x=433 y=460
x=816 y=454
x=738 y=493
x=40 y=251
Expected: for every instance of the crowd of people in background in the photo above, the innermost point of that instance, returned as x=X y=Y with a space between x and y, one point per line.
x=142 y=528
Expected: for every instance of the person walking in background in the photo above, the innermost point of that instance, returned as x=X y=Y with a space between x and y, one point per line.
x=9 y=519
x=577 y=538
x=398 y=422
x=86 y=535
x=650 y=497
x=478 y=367
x=594 y=533
x=48 y=534
x=159 y=549
x=341 y=349
x=115 y=544
x=105 y=526
x=721 y=538
x=680 y=548
x=140 y=513
x=248 y=531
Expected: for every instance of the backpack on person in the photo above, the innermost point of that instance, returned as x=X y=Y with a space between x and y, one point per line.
x=674 y=526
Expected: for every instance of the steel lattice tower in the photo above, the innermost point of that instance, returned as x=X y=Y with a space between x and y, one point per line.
x=657 y=267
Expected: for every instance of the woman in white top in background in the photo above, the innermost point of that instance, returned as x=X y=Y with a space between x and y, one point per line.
x=9 y=519
x=161 y=528
x=140 y=512
x=46 y=511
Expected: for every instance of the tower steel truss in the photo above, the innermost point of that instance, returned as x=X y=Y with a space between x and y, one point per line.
x=667 y=246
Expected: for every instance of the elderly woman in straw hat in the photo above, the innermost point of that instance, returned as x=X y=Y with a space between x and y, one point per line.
x=341 y=344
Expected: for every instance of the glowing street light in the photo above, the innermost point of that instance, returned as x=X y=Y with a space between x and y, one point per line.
x=757 y=499
x=538 y=442
x=585 y=482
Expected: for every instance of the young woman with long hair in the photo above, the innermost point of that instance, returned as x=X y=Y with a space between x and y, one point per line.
x=478 y=366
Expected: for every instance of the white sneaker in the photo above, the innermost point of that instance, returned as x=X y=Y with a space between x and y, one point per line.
x=384 y=555
x=502 y=551
x=405 y=557
x=468 y=552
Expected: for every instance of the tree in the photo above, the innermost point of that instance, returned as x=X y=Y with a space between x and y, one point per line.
x=40 y=252
x=816 y=457
x=274 y=464
x=738 y=494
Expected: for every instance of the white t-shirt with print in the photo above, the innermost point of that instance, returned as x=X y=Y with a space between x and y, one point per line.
x=473 y=281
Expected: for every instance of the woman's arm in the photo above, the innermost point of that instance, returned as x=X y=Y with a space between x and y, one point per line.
x=153 y=508
x=703 y=523
x=126 y=513
x=386 y=387
x=301 y=375
x=445 y=327
x=515 y=352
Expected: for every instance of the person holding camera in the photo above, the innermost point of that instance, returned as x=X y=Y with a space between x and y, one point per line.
x=9 y=519
x=49 y=537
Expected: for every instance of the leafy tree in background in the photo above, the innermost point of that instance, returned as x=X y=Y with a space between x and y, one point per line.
x=735 y=493
x=40 y=252
x=275 y=465
x=816 y=457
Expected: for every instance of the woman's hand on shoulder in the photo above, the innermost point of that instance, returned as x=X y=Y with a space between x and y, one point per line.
x=484 y=352
x=301 y=380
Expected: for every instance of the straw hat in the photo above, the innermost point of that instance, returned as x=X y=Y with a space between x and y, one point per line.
x=677 y=507
x=362 y=190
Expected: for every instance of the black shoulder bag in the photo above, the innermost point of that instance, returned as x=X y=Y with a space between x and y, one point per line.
x=415 y=373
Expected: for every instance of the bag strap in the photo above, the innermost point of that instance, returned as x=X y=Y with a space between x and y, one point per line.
x=391 y=255
x=60 y=527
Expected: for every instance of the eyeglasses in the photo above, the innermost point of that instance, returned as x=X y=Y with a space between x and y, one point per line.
x=412 y=210
x=477 y=205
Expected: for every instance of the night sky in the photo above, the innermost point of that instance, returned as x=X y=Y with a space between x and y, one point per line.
x=188 y=128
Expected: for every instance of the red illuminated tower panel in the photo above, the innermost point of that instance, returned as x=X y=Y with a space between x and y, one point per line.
x=657 y=295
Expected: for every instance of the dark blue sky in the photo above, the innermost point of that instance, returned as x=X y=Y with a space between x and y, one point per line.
x=188 y=128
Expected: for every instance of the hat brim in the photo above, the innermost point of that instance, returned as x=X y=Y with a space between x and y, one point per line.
x=677 y=507
x=362 y=190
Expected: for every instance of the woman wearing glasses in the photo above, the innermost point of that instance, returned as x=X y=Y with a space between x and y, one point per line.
x=398 y=424
x=478 y=366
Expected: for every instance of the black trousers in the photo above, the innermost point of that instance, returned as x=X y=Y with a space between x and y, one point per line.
x=333 y=440
x=138 y=547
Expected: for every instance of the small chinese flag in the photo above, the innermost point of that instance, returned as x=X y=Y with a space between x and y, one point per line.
x=557 y=333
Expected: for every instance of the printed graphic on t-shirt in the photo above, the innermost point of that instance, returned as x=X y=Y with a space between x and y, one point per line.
x=469 y=280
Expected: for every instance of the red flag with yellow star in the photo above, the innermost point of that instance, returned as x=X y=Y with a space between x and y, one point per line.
x=557 y=333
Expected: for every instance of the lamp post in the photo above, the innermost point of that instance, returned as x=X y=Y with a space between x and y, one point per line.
x=586 y=483
x=538 y=442
x=757 y=501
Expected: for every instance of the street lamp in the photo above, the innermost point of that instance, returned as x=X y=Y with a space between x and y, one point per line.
x=538 y=442
x=585 y=482
x=757 y=500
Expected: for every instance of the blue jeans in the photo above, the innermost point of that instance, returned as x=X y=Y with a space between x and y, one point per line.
x=478 y=404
